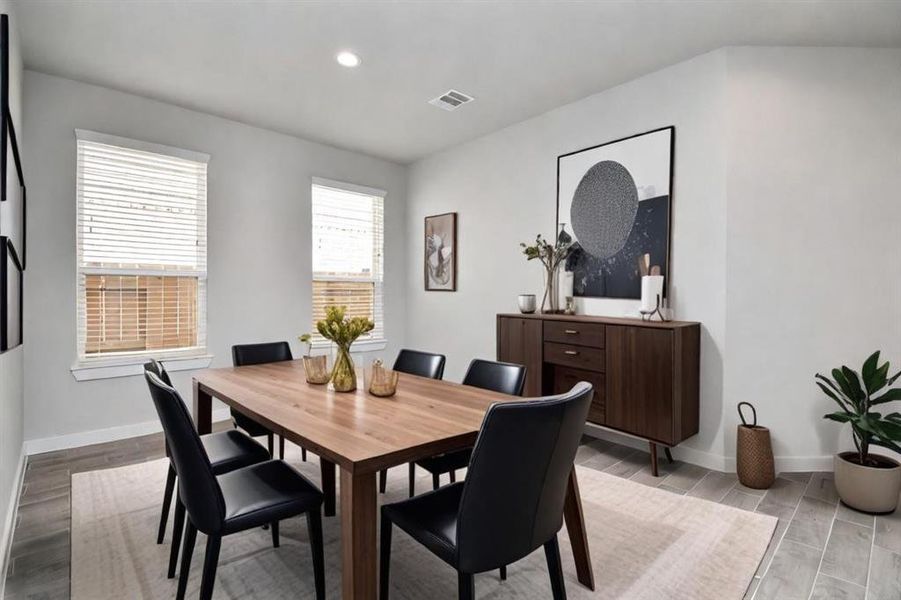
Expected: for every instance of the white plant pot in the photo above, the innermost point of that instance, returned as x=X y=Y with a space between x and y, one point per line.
x=868 y=489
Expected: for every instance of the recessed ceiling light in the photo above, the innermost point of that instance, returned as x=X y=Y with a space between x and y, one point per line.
x=348 y=59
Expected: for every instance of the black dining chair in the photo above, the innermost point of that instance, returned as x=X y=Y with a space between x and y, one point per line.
x=257 y=354
x=512 y=500
x=246 y=498
x=506 y=378
x=415 y=362
x=227 y=451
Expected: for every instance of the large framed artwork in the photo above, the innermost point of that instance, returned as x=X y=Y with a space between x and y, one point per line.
x=441 y=253
x=11 y=284
x=615 y=200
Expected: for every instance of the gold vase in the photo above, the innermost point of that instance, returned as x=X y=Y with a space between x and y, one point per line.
x=344 y=376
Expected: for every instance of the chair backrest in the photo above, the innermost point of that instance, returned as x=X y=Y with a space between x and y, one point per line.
x=255 y=354
x=516 y=483
x=506 y=378
x=197 y=486
x=424 y=364
x=157 y=368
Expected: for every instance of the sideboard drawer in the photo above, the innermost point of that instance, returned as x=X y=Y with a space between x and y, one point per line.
x=580 y=334
x=570 y=355
x=564 y=380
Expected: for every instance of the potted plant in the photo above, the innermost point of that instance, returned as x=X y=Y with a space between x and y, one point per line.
x=343 y=331
x=866 y=481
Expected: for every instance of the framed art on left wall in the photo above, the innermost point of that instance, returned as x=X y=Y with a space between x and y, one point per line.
x=11 y=289
x=440 y=267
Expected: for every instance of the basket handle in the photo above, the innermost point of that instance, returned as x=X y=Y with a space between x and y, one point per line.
x=742 y=416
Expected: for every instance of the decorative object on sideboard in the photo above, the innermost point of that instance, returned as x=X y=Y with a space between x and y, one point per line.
x=526 y=303
x=564 y=288
x=441 y=253
x=866 y=481
x=551 y=257
x=343 y=331
x=381 y=382
x=617 y=197
x=754 y=452
x=652 y=298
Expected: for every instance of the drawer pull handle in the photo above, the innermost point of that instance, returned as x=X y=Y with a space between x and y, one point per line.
x=571 y=331
x=570 y=352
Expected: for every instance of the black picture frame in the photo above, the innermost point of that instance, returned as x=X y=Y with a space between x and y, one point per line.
x=13 y=144
x=671 y=194
x=9 y=257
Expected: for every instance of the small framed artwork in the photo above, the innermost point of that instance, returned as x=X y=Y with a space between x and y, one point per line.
x=615 y=201
x=11 y=281
x=441 y=253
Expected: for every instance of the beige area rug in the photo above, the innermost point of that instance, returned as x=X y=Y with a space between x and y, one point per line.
x=646 y=544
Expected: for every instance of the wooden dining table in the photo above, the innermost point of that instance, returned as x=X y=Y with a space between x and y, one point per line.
x=362 y=434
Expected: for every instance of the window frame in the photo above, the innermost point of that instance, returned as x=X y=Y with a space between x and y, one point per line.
x=362 y=344
x=117 y=364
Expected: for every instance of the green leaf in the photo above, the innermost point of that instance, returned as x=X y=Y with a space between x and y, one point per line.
x=829 y=393
x=869 y=369
x=888 y=430
x=887 y=444
x=893 y=378
x=890 y=396
x=878 y=381
x=843 y=384
x=854 y=383
x=841 y=417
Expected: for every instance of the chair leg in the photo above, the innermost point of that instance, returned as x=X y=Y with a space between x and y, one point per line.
x=503 y=573
x=281 y=447
x=178 y=525
x=466 y=584
x=271 y=439
x=383 y=481
x=314 y=527
x=555 y=569
x=167 y=501
x=385 y=556
x=453 y=476
x=274 y=528
x=210 y=562
x=436 y=481
x=186 y=554
x=303 y=454
x=412 y=479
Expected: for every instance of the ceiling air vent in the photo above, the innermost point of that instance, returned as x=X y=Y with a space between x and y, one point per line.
x=451 y=100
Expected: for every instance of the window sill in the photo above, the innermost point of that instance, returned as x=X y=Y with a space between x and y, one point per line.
x=127 y=367
x=361 y=346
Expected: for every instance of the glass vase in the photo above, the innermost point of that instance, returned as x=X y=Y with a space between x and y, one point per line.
x=550 y=302
x=344 y=375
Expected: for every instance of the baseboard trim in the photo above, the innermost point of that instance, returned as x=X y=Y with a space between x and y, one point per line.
x=9 y=522
x=709 y=460
x=100 y=436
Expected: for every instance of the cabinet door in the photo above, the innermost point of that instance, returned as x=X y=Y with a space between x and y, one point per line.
x=640 y=381
x=519 y=341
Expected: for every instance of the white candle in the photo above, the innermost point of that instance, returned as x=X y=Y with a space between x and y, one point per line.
x=651 y=287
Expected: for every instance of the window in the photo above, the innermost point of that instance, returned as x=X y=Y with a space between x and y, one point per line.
x=141 y=246
x=348 y=224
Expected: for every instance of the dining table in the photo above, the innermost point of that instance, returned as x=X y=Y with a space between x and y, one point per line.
x=361 y=434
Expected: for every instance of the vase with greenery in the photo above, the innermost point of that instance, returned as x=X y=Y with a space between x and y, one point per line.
x=343 y=331
x=866 y=481
x=551 y=257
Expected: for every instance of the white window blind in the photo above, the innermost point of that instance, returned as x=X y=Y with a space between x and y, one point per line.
x=141 y=248
x=348 y=240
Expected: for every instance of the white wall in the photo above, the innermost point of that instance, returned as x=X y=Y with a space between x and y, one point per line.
x=11 y=367
x=259 y=254
x=784 y=239
x=814 y=231
x=503 y=187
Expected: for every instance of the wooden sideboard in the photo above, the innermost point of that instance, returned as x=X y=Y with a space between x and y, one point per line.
x=645 y=374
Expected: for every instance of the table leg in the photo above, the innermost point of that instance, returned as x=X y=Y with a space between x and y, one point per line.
x=575 y=525
x=327 y=469
x=203 y=410
x=358 y=535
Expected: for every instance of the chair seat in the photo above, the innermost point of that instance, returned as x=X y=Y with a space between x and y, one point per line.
x=431 y=519
x=445 y=463
x=266 y=492
x=232 y=449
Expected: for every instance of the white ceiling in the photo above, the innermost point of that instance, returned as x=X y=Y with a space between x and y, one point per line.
x=272 y=64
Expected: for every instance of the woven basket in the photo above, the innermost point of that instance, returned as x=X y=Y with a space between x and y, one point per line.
x=754 y=453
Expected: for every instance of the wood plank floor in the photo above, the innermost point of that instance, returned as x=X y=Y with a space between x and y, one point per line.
x=821 y=550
